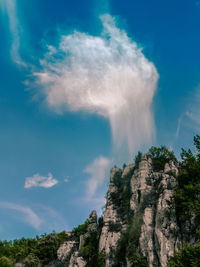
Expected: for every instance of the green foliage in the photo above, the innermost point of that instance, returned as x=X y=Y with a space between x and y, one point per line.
x=187 y=198
x=6 y=262
x=138 y=159
x=40 y=250
x=81 y=229
x=124 y=166
x=90 y=251
x=160 y=156
x=137 y=260
x=189 y=256
x=121 y=197
x=32 y=261
x=100 y=222
x=129 y=242
x=114 y=227
x=46 y=249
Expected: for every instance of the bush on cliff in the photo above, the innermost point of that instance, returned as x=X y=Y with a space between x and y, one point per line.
x=42 y=249
x=6 y=262
x=160 y=156
x=81 y=229
x=187 y=199
x=189 y=256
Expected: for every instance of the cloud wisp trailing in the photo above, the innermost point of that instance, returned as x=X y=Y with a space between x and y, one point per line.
x=193 y=111
x=9 y=6
x=28 y=214
x=107 y=75
x=38 y=180
x=97 y=170
x=41 y=218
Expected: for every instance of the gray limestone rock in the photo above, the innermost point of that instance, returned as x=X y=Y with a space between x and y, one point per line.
x=140 y=199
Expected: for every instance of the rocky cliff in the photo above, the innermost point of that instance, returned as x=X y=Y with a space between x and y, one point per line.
x=139 y=226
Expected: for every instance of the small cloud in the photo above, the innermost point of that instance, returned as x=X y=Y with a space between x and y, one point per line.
x=40 y=181
x=27 y=213
x=97 y=171
x=66 y=180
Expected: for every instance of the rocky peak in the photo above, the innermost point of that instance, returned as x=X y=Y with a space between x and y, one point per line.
x=139 y=221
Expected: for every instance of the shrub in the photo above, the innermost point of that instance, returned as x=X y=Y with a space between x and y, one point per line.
x=5 y=262
x=32 y=261
x=138 y=159
x=47 y=247
x=189 y=256
x=81 y=229
x=138 y=260
x=187 y=197
x=160 y=156
x=90 y=251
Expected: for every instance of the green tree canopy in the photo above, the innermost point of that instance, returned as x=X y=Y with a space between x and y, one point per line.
x=160 y=156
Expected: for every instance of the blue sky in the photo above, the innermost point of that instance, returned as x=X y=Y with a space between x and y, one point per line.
x=84 y=86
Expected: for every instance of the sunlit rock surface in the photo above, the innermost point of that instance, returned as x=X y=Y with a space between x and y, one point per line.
x=145 y=196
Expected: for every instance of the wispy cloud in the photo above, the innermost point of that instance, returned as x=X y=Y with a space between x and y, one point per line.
x=193 y=110
x=9 y=6
x=97 y=170
x=108 y=75
x=28 y=215
x=190 y=118
x=52 y=219
x=38 y=180
x=40 y=217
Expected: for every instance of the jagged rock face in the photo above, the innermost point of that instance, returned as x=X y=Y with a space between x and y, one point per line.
x=139 y=199
x=151 y=193
x=66 y=250
x=69 y=253
x=160 y=235
x=113 y=222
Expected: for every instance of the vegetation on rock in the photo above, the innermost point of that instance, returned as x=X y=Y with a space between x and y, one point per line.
x=189 y=256
x=38 y=251
x=160 y=156
x=41 y=250
x=90 y=251
x=81 y=229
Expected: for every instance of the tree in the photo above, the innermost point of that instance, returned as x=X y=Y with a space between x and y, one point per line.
x=5 y=262
x=47 y=247
x=160 y=156
x=187 y=198
x=189 y=256
x=32 y=261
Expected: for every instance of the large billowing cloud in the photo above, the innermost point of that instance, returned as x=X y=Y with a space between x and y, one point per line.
x=107 y=75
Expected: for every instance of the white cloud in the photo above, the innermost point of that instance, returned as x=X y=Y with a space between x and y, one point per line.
x=97 y=170
x=40 y=181
x=66 y=180
x=27 y=213
x=44 y=219
x=108 y=75
x=10 y=7
x=52 y=219
x=193 y=110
